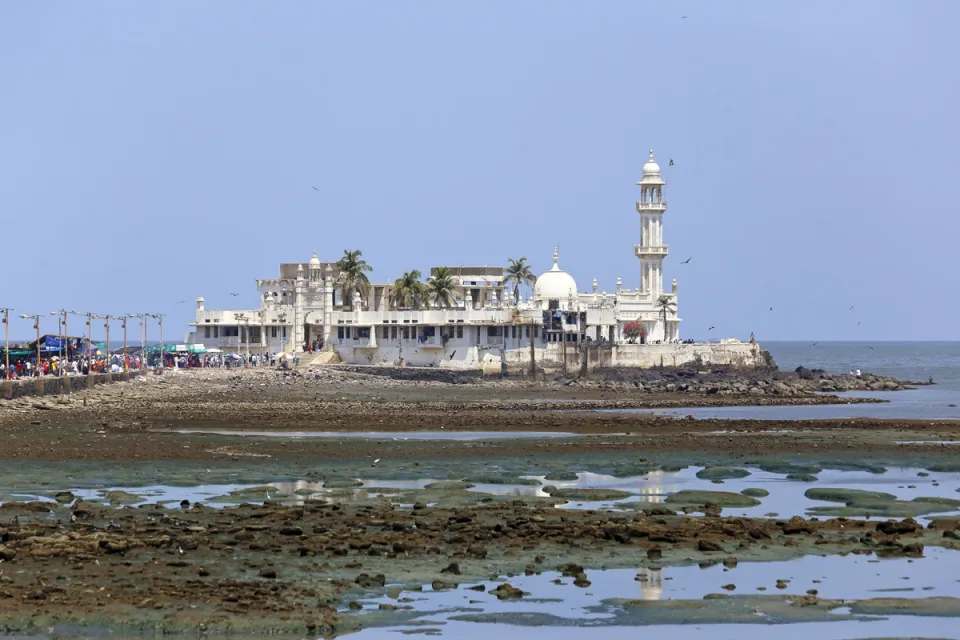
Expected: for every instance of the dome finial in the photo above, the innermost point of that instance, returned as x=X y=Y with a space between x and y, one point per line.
x=556 y=254
x=651 y=155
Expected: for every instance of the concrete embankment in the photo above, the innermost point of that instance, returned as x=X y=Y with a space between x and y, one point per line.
x=47 y=385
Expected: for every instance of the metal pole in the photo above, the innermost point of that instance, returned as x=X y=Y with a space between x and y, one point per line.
x=124 y=320
x=6 y=341
x=36 y=326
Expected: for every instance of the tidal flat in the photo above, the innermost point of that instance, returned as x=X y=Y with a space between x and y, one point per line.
x=113 y=520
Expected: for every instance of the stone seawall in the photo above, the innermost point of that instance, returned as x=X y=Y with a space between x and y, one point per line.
x=640 y=356
x=51 y=385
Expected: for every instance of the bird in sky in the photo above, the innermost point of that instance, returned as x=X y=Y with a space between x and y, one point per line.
x=771 y=308
x=858 y=323
x=814 y=344
x=671 y=162
x=851 y=308
x=710 y=329
x=181 y=301
x=871 y=348
x=234 y=294
x=683 y=17
x=686 y=261
x=315 y=189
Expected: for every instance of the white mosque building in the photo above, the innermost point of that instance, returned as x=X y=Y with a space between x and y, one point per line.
x=484 y=327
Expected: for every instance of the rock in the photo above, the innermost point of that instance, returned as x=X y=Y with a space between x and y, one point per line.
x=893 y=527
x=355 y=606
x=291 y=531
x=570 y=570
x=63 y=497
x=802 y=477
x=440 y=585
x=797 y=525
x=269 y=574
x=452 y=568
x=707 y=545
x=371 y=582
x=7 y=554
x=580 y=580
x=729 y=587
x=506 y=591
x=561 y=476
x=730 y=563
x=914 y=549
x=655 y=553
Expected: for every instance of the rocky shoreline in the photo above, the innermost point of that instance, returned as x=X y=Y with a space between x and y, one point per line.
x=280 y=569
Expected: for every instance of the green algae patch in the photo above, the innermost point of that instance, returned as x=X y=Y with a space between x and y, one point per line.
x=587 y=495
x=888 y=509
x=448 y=485
x=945 y=467
x=721 y=498
x=787 y=469
x=948 y=502
x=755 y=492
x=341 y=483
x=722 y=473
x=854 y=466
x=530 y=482
x=801 y=477
x=939 y=606
x=631 y=470
x=561 y=476
x=847 y=496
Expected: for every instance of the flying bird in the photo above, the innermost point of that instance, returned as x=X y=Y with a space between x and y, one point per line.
x=814 y=344
x=851 y=308
x=871 y=348
x=686 y=261
x=683 y=17
x=181 y=301
x=234 y=294
x=710 y=329
x=315 y=189
x=771 y=308
x=858 y=323
x=671 y=162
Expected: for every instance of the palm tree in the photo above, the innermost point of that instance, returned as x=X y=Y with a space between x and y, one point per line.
x=665 y=303
x=518 y=272
x=408 y=292
x=441 y=287
x=352 y=269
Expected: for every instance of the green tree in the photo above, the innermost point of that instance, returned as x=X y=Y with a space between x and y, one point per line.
x=518 y=272
x=441 y=287
x=408 y=292
x=665 y=304
x=352 y=276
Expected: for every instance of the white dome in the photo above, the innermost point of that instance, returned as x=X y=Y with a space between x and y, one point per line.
x=555 y=284
x=314 y=261
x=651 y=168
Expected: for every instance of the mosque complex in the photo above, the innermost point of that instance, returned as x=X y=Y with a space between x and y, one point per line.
x=484 y=327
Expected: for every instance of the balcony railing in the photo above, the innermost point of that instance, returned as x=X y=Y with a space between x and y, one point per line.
x=495 y=341
x=652 y=206
x=640 y=249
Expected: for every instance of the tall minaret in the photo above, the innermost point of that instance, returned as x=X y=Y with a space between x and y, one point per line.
x=651 y=249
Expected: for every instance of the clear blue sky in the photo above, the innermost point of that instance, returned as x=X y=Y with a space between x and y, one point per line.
x=154 y=152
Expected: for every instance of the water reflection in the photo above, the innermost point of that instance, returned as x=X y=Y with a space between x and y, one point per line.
x=651 y=583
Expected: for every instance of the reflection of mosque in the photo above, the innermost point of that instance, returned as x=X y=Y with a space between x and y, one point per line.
x=651 y=583
x=655 y=488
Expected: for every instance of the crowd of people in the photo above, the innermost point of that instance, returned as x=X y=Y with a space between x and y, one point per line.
x=115 y=363
x=75 y=365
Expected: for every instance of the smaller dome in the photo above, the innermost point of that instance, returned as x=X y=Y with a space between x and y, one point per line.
x=651 y=168
x=314 y=261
